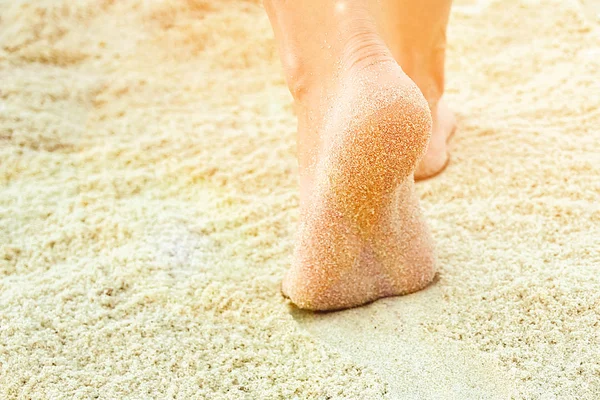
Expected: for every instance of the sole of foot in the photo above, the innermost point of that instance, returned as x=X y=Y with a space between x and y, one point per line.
x=437 y=157
x=361 y=235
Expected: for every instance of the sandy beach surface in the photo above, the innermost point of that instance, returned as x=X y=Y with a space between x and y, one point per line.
x=148 y=203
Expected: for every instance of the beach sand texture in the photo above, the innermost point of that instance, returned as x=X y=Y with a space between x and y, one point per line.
x=148 y=203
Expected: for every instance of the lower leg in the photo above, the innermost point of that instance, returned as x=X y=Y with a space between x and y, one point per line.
x=363 y=125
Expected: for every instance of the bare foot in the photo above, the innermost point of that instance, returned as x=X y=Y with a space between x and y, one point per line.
x=436 y=158
x=361 y=235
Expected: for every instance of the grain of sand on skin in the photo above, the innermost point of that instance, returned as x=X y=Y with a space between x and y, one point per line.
x=148 y=202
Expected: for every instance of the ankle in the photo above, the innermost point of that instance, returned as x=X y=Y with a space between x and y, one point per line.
x=427 y=71
x=299 y=77
x=363 y=48
x=311 y=75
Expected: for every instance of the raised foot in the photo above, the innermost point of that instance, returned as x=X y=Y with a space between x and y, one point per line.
x=361 y=235
x=436 y=157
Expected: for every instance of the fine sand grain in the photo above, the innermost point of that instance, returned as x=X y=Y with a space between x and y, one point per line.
x=148 y=203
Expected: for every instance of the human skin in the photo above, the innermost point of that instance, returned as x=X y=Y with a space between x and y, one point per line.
x=363 y=127
x=415 y=33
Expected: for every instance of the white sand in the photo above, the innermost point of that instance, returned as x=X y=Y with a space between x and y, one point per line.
x=148 y=202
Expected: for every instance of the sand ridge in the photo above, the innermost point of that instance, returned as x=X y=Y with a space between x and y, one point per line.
x=148 y=203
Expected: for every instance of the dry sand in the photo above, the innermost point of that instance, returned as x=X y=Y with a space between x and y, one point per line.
x=148 y=202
